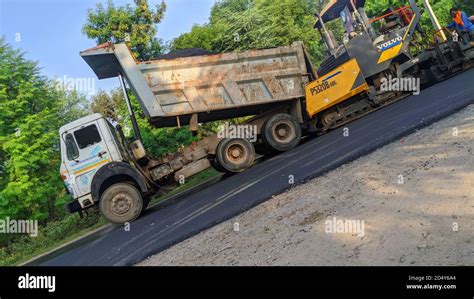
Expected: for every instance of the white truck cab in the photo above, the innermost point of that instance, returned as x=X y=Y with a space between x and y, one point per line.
x=93 y=163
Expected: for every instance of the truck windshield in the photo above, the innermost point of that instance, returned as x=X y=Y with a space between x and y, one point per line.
x=71 y=148
x=87 y=136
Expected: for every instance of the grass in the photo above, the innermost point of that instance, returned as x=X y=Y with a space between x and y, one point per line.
x=22 y=248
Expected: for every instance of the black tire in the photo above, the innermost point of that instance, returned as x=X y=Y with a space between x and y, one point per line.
x=121 y=203
x=235 y=154
x=146 y=202
x=281 y=132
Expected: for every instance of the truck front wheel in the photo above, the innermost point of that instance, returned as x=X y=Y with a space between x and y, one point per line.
x=121 y=203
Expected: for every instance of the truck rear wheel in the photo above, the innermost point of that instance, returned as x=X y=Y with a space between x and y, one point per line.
x=281 y=132
x=121 y=203
x=234 y=155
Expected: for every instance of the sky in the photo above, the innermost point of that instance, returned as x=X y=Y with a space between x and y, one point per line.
x=49 y=31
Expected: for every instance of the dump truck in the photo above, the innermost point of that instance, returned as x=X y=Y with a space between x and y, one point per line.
x=278 y=91
x=268 y=85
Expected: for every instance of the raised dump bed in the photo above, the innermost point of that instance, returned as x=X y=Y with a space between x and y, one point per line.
x=210 y=87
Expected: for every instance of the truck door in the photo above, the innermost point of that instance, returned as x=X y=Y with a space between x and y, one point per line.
x=90 y=154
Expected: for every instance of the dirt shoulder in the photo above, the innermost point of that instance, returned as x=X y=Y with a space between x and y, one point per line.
x=414 y=199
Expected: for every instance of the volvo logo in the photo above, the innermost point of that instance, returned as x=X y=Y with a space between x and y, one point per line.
x=390 y=43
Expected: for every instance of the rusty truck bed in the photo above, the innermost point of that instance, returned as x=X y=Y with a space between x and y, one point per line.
x=210 y=87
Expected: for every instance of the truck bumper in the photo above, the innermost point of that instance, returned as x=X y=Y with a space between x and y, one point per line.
x=80 y=204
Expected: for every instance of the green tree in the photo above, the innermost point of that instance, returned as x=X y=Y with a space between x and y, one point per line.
x=239 y=25
x=157 y=141
x=31 y=112
x=107 y=104
x=137 y=23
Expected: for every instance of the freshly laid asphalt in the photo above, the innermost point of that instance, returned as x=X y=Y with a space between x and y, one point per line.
x=165 y=226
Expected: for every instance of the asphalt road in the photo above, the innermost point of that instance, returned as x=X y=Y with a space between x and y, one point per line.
x=162 y=227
